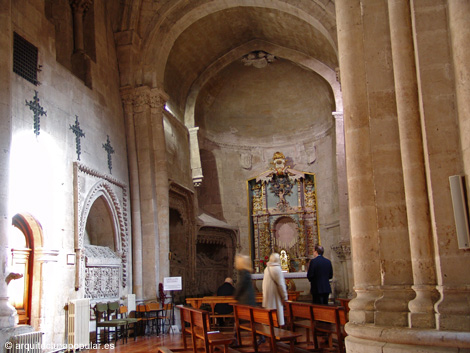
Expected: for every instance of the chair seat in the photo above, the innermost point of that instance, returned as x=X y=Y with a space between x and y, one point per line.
x=113 y=323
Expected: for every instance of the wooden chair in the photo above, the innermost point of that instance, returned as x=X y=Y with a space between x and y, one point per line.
x=141 y=313
x=131 y=321
x=152 y=310
x=103 y=321
x=164 y=317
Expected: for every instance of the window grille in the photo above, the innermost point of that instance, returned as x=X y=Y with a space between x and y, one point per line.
x=25 y=59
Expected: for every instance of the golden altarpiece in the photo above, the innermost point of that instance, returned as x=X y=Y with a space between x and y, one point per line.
x=283 y=216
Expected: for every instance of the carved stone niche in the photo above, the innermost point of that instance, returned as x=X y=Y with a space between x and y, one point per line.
x=102 y=272
x=215 y=251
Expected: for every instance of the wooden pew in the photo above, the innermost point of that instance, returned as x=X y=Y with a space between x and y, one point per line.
x=300 y=315
x=213 y=300
x=330 y=320
x=199 y=328
x=261 y=321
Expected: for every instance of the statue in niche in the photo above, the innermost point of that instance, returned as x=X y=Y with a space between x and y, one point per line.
x=284 y=261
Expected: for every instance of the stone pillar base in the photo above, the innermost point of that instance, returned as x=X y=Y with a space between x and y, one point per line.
x=7 y=333
x=379 y=339
x=357 y=345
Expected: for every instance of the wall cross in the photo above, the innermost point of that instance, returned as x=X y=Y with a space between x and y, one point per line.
x=109 y=150
x=38 y=111
x=78 y=134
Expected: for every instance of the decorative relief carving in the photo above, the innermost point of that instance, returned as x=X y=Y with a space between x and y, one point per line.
x=245 y=160
x=88 y=186
x=310 y=195
x=101 y=282
x=257 y=198
x=100 y=256
x=258 y=59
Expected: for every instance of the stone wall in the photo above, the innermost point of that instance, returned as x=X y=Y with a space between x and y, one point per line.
x=41 y=165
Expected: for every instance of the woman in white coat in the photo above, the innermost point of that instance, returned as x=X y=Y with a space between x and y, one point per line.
x=274 y=287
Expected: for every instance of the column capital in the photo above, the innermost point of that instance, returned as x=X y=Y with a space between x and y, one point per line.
x=342 y=250
x=81 y=5
x=127 y=95
x=158 y=98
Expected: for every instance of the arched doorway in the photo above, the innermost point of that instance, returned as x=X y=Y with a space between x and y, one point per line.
x=25 y=236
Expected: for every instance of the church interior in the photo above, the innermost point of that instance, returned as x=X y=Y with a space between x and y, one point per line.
x=150 y=140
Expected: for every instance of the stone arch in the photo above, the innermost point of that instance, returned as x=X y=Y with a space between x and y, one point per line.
x=301 y=59
x=175 y=26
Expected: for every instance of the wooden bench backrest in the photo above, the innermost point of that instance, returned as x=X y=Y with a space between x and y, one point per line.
x=256 y=314
x=200 y=318
x=189 y=315
x=325 y=313
x=265 y=316
x=299 y=310
x=152 y=306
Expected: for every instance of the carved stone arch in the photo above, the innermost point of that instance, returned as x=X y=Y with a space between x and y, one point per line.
x=102 y=189
x=89 y=185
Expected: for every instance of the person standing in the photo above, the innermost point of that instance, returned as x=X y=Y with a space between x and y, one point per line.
x=244 y=290
x=274 y=287
x=319 y=273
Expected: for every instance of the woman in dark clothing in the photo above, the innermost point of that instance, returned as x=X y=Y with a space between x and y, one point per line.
x=244 y=291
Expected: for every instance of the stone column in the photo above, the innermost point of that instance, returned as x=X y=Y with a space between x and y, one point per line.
x=412 y=154
x=7 y=312
x=459 y=12
x=363 y=216
x=196 y=168
x=80 y=61
x=148 y=209
x=157 y=103
x=342 y=177
x=79 y=7
x=127 y=95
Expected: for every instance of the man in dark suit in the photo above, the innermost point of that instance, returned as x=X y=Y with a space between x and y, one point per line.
x=319 y=274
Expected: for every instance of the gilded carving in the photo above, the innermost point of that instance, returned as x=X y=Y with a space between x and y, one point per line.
x=284 y=199
x=257 y=198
